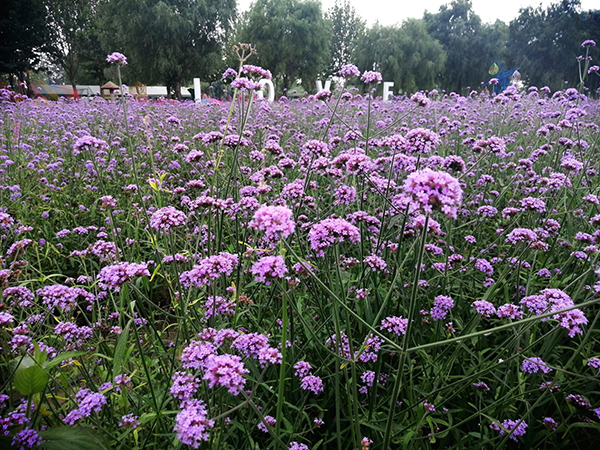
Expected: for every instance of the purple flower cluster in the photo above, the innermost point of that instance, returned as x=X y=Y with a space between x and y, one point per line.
x=431 y=190
x=166 y=218
x=395 y=324
x=209 y=269
x=514 y=427
x=324 y=234
x=371 y=77
x=87 y=403
x=63 y=297
x=225 y=370
x=441 y=306
x=535 y=365
x=551 y=300
x=192 y=423
x=116 y=275
x=275 y=221
x=349 y=71
x=117 y=58
x=269 y=267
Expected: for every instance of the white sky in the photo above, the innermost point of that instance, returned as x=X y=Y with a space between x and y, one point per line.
x=390 y=12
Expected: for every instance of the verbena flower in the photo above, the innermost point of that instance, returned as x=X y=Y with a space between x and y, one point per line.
x=275 y=221
x=227 y=371
x=324 y=234
x=312 y=383
x=117 y=58
x=534 y=365
x=192 y=423
x=116 y=275
x=209 y=269
x=166 y=218
x=269 y=267
x=349 y=71
x=431 y=190
x=515 y=427
x=371 y=77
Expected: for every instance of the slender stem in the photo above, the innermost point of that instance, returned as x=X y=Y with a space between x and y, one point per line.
x=403 y=356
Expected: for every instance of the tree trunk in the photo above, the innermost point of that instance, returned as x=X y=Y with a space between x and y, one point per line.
x=177 y=87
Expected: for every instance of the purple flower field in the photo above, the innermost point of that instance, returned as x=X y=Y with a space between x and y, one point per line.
x=332 y=272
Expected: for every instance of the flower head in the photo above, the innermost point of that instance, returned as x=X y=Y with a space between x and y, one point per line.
x=431 y=190
x=117 y=58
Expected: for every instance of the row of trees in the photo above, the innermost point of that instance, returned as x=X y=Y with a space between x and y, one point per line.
x=170 y=41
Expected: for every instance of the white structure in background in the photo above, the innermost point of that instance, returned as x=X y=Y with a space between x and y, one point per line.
x=386 y=90
x=197 y=92
x=151 y=91
x=270 y=92
x=320 y=85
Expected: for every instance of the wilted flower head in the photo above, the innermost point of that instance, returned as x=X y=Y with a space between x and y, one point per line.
x=118 y=58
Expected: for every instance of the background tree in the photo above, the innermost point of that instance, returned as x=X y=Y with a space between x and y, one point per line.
x=291 y=37
x=346 y=28
x=168 y=41
x=460 y=31
x=23 y=35
x=545 y=43
x=406 y=55
x=71 y=26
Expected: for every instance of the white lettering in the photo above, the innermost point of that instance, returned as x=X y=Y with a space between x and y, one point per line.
x=386 y=89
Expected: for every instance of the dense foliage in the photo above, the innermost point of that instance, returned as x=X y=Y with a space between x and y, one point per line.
x=342 y=273
x=169 y=42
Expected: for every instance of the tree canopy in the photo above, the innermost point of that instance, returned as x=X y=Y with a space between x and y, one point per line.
x=291 y=38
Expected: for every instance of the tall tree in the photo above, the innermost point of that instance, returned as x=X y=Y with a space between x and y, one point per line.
x=71 y=23
x=291 y=38
x=459 y=30
x=545 y=42
x=23 y=35
x=406 y=55
x=169 y=41
x=346 y=28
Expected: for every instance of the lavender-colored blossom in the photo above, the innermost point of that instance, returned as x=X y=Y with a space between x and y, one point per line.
x=302 y=369
x=514 y=427
x=431 y=190
x=269 y=267
x=227 y=371
x=166 y=218
x=312 y=383
x=116 y=275
x=195 y=354
x=395 y=324
x=297 y=446
x=535 y=365
x=192 y=423
x=275 y=221
x=269 y=420
x=26 y=439
x=209 y=269
x=371 y=77
x=594 y=362
x=184 y=385
x=441 y=306
x=510 y=311
x=129 y=420
x=349 y=71
x=324 y=234
x=117 y=58
x=87 y=402
x=483 y=307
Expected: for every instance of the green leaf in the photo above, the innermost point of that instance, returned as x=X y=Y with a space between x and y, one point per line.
x=62 y=357
x=72 y=438
x=120 y=349
x=30 y=379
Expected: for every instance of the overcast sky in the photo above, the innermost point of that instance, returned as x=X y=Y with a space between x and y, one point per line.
x=390 y=12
